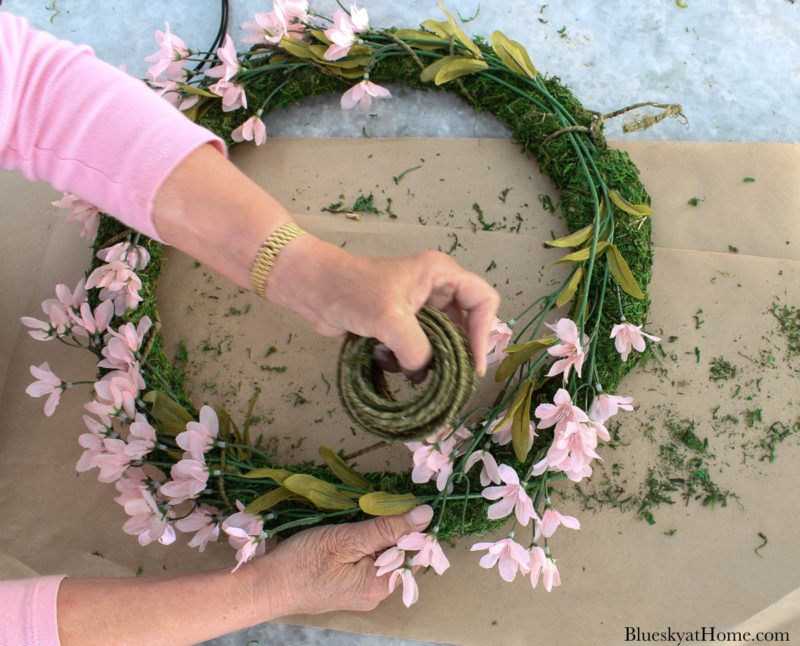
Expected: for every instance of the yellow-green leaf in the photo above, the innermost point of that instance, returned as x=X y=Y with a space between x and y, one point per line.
x=442 y=29
x=522 y=394
x=622 y=273
x=620 y=202
x=320 y=36
x=298 y=48
x=343 y=471
x=572 y=287
x=173 y=416
x=573 y=239
x=429 y=73
x=519 y=354
x=462 y=37
x=188 y=89
x=422 y=39
x=278 y=475
x=269 y=499
x=381 y=503
x=513 y=54
x=460 y=66
x=582 y=254
x=322 y=494
x=520 y=426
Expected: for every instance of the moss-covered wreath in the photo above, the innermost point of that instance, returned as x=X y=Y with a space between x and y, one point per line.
x=605 y=208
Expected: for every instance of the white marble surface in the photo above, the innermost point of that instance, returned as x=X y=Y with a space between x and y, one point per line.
x=733 y=65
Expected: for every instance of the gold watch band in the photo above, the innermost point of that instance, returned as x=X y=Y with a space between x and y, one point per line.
x=268 y=254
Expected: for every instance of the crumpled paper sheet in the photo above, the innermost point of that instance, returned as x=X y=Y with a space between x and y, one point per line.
x=618 y=571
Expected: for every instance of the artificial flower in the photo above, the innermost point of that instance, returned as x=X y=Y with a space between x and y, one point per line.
x=88 y=215
x=229 y=64
x=172 y=93
x=251 y=130
x=233 y=96
x=142 y=438
x=489 y=472
x=60 y=309
x=605 y=406
x=269 y=27
x=130 y=484
x=359 y=18
x=135 y=256
x=168 y=60
x=361 y=93
x=434 y=457
x=511 y=555
x=203 y=521
x=199 y=436
x=430 y=553
x=342 y=36
x=410 y=587
x=499 y=338
x=40 y=330
x=513 y=497
x=92 y=322
x=118 y=283
x=540 y=562
x=112 y=460
x=46 y=384
x=189 y=478
x=120 y=389
x=627 y=335
x=572 y=451
x=570 y=349
x=244 y=535
x=561 y=412
x=147 y=522
x=103 y=409
x=551 y=519
x=502 y=434
x=389 y=560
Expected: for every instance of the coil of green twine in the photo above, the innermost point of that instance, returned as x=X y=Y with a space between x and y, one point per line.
x=451 y=382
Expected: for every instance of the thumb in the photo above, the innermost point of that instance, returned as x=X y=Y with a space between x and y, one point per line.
x=404 y=336
x=383 y=532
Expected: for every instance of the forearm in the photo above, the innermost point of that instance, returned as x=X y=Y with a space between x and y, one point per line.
x=169 y=610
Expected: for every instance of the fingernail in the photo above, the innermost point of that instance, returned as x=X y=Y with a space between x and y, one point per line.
x=421 y=515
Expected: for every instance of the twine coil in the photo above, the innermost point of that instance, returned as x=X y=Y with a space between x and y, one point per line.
x=452 y=379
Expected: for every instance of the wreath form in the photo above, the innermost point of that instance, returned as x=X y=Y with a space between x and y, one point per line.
x=605 y=208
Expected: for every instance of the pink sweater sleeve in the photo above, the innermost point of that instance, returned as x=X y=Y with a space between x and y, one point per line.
x=86 y=127
x=28 y=612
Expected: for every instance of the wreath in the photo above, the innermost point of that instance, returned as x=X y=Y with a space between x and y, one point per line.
x=174 y=466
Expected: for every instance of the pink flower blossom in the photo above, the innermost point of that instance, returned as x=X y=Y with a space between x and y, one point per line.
x=130 y=485
x=627 y=335
x=434 y=457
x=93 y=444
x=572 y=451
x=121 y=344
x=410 y=587
x=199 y=436
x=229 y=65
x=233 y=96
x=269 y=27
x=551 y=519
x=104 y=410
x=120 y=389
x=251 y=130
x=60 y=309
x=40 y=330
x=88 y=322
x=112 y=461
x=489 y=472
x=540 y=562
x=343 y=33
x=147 y=521
x=361 y=93
x=81 y=211
x=430 y=553
x=119 y=284
x=189 y=478
x=244 y=535
x=499 y=338
x=570 y=348
x=513 y=497
x=142 y=438
x=172 y=93
x=605 y=406
x=203 y=521
x=502 y=434
x=46 y=384
x=560 y=413
x=511 y=555
x=390 y=560
x=135 y=256
x=168 y=60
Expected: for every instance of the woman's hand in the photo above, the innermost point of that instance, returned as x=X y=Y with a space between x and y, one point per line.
x=332 y=567
x=338 y=292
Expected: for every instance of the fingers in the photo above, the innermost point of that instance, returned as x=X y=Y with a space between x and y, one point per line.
x=400 y=331
x=387 y=361
x=375 y=535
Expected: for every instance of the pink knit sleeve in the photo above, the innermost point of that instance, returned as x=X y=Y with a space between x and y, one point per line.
x=28 y=612
x=86 y=127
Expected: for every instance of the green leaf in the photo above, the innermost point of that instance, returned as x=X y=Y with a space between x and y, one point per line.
x=583 y=254
x=572 y=287
x=620 y=202
x=278 y=475
x=269 y=499
x=513 y=54
x=196 y=90
x=519 y=354
x=520 y=426
x=322 y=494
x=462 y=37
x=522 y=395
x=173 y=416
x=456 y=67
x=430 y=42
x=443 y=30
x=343 y=471
x=429 y=73
x=622 y=273
x=381 y=503
x=298 y=48
x=573 y=239
x=319 y=34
